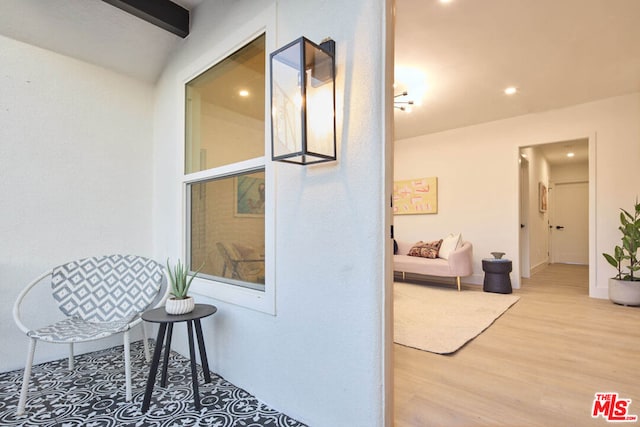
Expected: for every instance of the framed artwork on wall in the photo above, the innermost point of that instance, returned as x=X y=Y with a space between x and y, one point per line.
x=249 y=196
x=415 y=196
x=542 y=195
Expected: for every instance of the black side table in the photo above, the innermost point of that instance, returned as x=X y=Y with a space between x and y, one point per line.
x=496 y=275
x=159 y=315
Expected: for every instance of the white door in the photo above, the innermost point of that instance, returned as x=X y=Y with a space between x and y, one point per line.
x=569 y=226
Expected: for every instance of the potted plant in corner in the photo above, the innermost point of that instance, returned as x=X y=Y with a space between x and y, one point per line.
x=179 y=302
x=624 y=288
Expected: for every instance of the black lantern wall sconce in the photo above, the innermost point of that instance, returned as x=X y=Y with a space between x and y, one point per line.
x=303 y=124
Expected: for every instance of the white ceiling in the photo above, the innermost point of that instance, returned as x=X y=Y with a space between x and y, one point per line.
x=188 y=4
x=557 y=52
x=92 y=31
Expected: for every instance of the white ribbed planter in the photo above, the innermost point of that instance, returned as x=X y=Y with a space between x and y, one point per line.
x=624 y=292
x=179 y=306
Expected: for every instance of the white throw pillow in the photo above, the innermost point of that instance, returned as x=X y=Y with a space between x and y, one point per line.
x=449 y=244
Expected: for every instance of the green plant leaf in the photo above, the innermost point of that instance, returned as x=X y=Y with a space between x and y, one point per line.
x=625 y=257
x=618 y=253
x=180 y=279
x=611 y=260
x=623 y=217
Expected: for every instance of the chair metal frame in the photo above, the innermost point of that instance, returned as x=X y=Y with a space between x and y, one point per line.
x=131 y=322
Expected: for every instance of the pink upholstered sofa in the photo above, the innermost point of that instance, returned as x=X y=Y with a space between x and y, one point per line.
x=459 y=263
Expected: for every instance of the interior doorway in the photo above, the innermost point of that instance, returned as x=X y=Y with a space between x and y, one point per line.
x=554 y=205
x=569 y=223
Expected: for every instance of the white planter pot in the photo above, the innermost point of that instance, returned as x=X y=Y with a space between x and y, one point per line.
x=179 y=306
x=624 y=292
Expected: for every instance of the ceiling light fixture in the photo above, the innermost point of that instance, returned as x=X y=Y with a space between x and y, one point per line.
x=402 y=105
x=570 y=154
x=511 y=90
x=414 y=80
x=244 y=93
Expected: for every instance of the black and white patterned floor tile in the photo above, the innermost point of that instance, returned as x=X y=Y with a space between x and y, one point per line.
x=92 y=395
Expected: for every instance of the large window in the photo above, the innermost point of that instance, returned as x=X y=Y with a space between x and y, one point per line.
x=224 y=168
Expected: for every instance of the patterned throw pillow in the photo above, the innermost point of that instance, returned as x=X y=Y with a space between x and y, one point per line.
x=426 y=249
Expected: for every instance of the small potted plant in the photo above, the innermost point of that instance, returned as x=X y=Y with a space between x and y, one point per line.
x=179 y=302
x=624 y=287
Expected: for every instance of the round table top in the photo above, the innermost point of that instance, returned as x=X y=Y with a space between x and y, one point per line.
x=496 y=260
x=159 y=315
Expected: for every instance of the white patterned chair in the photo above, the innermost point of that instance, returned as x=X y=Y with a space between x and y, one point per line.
x=99 y=297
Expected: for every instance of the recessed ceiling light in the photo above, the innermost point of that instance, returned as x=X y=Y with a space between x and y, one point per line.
x=244 y=93
x=511 y=90
x=570 y=154
x=445 y=1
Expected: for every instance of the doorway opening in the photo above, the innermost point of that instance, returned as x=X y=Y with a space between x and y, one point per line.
x=556 y=206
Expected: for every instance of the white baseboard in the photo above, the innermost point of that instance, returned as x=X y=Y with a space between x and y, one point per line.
x=539 y=267
x=600 y=293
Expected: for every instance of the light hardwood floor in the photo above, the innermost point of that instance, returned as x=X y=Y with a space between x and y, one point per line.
x=540 y=364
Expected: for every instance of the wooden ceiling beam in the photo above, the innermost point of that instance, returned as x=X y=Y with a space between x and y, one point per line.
x=163 y=13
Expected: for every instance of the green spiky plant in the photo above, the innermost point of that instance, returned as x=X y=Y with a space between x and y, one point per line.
x=625 y=257
x=180 y=280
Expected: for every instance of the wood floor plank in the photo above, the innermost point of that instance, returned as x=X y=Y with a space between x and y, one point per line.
x=540 y=364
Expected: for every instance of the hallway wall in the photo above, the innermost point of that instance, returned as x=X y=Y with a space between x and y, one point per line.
x=477 y=172
x=538 y=221
x=569 y=173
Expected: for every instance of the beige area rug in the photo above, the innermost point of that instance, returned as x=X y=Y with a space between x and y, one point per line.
x=441 y=320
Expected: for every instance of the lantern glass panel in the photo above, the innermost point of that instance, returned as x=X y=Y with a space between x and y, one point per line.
x=287 y=98
x=320 y=101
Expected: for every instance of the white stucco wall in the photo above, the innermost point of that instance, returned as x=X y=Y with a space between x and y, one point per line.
x=477 y=170
x=319 y=358
x=75 y=176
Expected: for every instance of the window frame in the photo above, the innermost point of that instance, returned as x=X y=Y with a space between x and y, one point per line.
x=188 y=218
x=259 y=300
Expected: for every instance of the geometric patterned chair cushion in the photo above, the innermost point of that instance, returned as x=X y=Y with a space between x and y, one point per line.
x=77 y=330
x=105 y=288
x=101 y=296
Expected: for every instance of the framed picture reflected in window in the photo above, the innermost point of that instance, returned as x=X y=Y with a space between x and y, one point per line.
x=249 y=195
